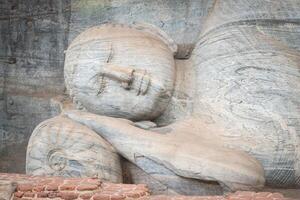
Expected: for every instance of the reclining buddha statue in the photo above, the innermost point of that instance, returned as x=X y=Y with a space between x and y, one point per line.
x=241 y=133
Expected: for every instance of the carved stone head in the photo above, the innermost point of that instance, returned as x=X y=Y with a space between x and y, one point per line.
x=121 y=71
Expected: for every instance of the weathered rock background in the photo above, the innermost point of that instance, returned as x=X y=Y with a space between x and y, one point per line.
x=180 y=19
x=35 y=33
x=33 y=36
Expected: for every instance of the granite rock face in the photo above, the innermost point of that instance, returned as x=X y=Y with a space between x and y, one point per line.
x=248 y=81
x=182 y=20
x=34 y=35
x=237 y=96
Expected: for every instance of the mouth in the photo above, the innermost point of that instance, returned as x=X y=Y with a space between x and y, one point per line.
x=141 y=81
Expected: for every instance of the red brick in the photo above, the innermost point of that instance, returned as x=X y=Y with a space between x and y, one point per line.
x=95 y=181
x=101 y=197
x=39 y=188
x=52 y=187
x=132 y=194
x=86 y=195
x=42 y=194
x=25 y=187
x=140 y=192
x=261 y=198
x=68 y=195
x=45 y=181
x=233 y=198
x=247 y=198
x=117 y=197
x=75 y=181
x=116 y=187
x=244 y=193
x=106 y=191
x=86 y=187
x=123 y=185
x=29 y=194
x=262 y=194
x=53 y=194
x=57 y=181
x=277 y=195
x=18 y=194
x=143 y=193
x=68 y=187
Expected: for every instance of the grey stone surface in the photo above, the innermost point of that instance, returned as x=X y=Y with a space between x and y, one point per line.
x=241 y=85
x=197 y=157
x=161 y=180
x=181 y=19
x=250 y=85
x=62 y=147
x=247 y=83
x=33 y=38
x=182 y=100
x=121 y=71
x=7 y=188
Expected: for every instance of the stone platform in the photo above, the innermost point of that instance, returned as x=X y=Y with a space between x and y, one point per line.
x=26 y=187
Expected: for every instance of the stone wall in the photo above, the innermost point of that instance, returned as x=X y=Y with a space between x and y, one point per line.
x=181 y=19
x=3 y=59
x=33 y=38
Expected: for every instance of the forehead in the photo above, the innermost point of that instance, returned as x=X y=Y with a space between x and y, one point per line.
x=119 y=32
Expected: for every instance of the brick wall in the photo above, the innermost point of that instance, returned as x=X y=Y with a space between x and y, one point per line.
x=59 y=188
x=37 y=187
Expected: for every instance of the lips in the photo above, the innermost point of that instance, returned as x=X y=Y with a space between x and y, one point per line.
x=141 y=81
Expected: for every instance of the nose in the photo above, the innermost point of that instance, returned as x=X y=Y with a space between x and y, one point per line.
x=128 y=77
x=124 y=75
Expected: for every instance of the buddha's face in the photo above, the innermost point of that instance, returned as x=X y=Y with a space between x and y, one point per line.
x=120 y=71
